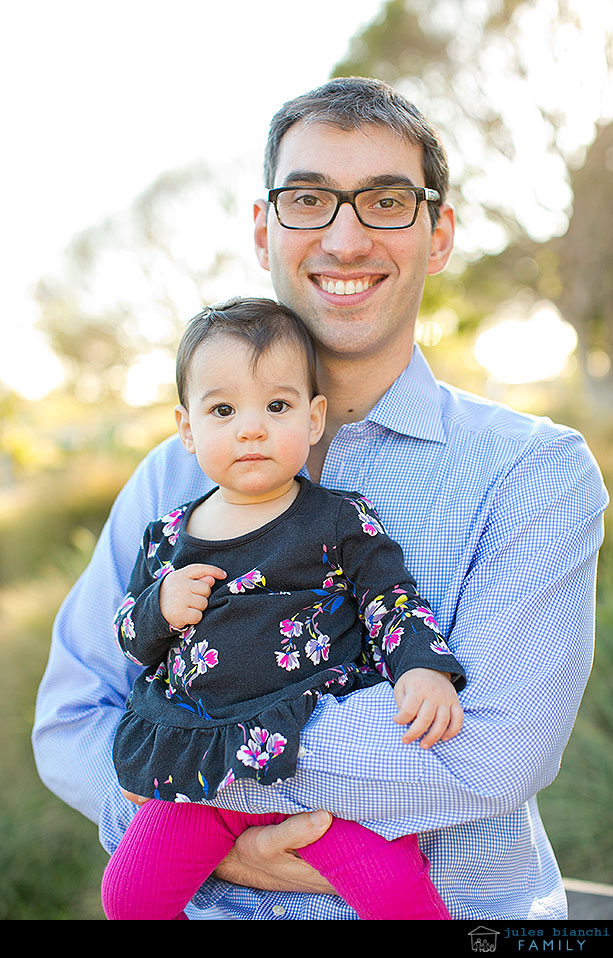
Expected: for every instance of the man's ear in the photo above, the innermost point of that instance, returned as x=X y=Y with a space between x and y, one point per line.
x=260 y=232
x=318 y=418
x=441 y=243
x=184 y=427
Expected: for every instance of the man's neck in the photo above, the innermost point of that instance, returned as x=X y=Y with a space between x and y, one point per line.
x=352 y=389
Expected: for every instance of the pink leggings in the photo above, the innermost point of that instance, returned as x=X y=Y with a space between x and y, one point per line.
x=171 y=848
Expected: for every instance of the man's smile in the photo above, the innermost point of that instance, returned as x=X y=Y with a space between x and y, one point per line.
x=345 y=287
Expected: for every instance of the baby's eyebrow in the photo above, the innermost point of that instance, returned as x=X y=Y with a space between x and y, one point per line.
x=283 y=388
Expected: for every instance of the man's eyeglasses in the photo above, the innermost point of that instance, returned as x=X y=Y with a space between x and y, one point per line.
x=379 y=208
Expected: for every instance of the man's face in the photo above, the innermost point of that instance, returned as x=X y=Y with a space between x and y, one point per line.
x=358 y=289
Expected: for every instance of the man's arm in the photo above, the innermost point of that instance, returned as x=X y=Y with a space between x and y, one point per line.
x=83 y=692
x=523 y=626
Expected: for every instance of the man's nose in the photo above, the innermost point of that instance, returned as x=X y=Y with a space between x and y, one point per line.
x=346 y=238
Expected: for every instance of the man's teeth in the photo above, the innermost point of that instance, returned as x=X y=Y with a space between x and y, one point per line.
x=346 y=287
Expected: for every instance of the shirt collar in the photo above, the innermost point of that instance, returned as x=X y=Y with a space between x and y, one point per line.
x=412 y=404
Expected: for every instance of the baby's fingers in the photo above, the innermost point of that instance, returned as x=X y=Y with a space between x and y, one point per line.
x=455 y=722
x=435 y=725
x=419 y=721
x=200 y=570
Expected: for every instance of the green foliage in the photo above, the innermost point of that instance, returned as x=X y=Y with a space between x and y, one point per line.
x=51 y=863
x=51 y=510
x=50 y=859
x=576 y=808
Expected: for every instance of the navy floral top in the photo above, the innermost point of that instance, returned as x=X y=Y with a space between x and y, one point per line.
x=316 y=601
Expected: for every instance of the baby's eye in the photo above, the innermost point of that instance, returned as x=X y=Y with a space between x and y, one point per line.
x=222 y=410
x=277 y=405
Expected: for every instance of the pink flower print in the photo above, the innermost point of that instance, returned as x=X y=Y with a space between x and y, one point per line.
x=172 y=523
x=153 y=548
x=370 y=526
x=261 y=748
x=426 y=614
x=164 y=569
x=178 y=666
x=227 y=779
x=203 y=658
x=276 y=744
x=373 y=614
x=288 y=660
x=248 y=581
x=187 y=634
x=391 y=638
x=440 y=647
x=290 y=628
x=127 y=627
x=127 y=603
x=380 y=665
x=318 y=648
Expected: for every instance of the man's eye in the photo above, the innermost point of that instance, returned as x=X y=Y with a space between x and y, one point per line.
x=307 y=199
x=222 y=410
x=277 y=405
x=395 y=201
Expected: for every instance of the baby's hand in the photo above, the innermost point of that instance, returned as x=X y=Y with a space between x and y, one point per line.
x=184 y=593
x=429 y=703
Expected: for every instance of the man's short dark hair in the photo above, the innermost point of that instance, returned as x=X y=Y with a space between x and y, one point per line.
x=259 y=322
x=352 y=103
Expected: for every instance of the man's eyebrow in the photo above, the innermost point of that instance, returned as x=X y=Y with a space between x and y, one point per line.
x=320 y=179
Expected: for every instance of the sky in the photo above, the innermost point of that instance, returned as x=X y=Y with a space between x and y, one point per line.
x=99 y=98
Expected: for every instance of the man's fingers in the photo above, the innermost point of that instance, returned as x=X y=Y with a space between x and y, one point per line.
x=264 y=856
x=295 y=832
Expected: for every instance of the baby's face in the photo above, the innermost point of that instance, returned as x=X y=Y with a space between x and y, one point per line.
x=250 y=428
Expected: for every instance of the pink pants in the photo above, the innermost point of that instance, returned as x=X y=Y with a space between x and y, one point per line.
x=171 y=848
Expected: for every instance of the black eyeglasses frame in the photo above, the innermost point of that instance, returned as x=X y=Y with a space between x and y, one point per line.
x=422 y=195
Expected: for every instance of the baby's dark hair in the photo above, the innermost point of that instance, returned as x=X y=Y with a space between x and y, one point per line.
x=261 y=323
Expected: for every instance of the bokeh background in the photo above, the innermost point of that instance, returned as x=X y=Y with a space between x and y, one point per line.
x=133 y=136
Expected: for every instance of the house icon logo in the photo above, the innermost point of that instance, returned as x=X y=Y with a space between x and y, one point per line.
x=483 y=939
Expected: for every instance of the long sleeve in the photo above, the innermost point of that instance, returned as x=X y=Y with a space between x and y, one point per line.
x=142 y=632
x=501 y=519
x=521 y=621
x=401 y=632
x=87 y=680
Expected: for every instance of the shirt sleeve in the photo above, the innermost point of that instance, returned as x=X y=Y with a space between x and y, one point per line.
x=401 y=632
x=143 y=633
x=88 y=679
x=523 y=628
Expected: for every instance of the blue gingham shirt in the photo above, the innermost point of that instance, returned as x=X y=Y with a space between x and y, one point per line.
x=500 y=518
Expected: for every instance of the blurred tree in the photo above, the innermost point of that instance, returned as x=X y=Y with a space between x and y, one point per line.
x=114 y=310
x=585 y=266
x=519 y=90
x=517 y=86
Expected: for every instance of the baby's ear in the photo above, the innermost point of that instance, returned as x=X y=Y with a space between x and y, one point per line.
x=318 y=418
x=184 y=427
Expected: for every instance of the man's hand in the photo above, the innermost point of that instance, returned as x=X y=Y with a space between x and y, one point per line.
x=264 y=857
x=184 y=593
x=133 y=797
x=429 y=703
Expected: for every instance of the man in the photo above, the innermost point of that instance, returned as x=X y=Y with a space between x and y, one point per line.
x=500 y=517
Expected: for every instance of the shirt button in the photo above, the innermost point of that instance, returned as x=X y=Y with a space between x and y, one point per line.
x=278 y=910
